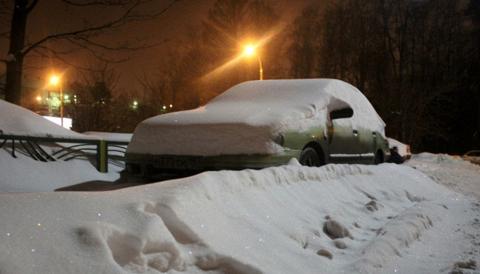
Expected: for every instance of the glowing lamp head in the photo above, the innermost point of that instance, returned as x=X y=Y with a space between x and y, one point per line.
x=54 y=80
x=249 y=50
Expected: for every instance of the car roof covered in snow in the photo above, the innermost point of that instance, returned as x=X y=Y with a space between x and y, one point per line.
x=282 y=104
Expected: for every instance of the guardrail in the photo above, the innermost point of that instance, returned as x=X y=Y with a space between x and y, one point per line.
x=102 y=150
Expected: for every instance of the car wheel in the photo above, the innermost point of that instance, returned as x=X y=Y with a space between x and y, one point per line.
x=310 y=157
x=379 y=157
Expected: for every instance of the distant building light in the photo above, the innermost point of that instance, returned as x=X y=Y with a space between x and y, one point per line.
x=171 y=106
x=39 y=98
x=164 y=107
x=135 y=104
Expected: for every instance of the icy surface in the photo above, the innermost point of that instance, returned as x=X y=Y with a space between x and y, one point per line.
x=247 y=117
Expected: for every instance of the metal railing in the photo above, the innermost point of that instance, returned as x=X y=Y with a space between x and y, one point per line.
x=69 y=148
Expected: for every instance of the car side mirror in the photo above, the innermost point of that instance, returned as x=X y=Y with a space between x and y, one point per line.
x=341 y=113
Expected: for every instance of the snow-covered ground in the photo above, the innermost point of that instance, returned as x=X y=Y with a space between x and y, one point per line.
x=421 y=217
x=291 y=219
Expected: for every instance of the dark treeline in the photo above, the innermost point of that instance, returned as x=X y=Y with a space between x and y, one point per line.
x=416 y=61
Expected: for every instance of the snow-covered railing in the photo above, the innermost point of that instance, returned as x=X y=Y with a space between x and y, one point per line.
x=47 y=149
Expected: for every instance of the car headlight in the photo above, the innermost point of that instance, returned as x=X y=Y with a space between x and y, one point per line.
x=279 y=139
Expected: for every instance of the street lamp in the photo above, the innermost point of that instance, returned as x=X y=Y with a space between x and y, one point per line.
x=55 y=80
x=251 y=50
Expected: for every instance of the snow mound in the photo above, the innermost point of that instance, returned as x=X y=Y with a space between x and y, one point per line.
x=251 y=221
x=249 y=116
x=451 y=171
x=20 y=121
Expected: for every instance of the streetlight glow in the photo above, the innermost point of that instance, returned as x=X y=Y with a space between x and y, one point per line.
x=54 y=80
x=249 y=50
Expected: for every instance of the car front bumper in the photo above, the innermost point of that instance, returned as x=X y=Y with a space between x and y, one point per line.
x=147 y=165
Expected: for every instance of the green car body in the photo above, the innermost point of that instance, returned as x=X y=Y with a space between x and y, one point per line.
x=367 y=148
x=333 y=141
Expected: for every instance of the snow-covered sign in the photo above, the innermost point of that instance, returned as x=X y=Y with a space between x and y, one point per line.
x=245 y=118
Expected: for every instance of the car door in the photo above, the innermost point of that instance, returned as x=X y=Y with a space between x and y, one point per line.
x=366 y=145
x=343 y=140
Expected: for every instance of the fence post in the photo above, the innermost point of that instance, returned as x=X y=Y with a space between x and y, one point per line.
x=102 y=156
x=13 y=148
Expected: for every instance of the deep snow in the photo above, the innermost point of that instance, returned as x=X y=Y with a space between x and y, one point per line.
x=422 y=217
x=23 y=174
x=394 y=219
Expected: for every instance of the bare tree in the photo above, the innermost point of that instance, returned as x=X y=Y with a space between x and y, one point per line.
x=85 y=37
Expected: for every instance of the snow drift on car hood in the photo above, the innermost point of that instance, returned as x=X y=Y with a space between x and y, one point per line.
x=249 y=116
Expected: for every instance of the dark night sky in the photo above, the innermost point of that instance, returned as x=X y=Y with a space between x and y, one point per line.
x=169 y=30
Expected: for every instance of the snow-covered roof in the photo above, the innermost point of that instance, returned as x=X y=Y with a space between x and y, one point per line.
x=253 y=111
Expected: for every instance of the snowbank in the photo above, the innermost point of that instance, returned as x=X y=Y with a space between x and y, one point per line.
x=23 y=174
x=451 y=171
x=249 y=116
x=20 y=121
x=292 y=219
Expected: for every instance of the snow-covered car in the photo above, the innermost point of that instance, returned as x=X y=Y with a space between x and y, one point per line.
x=258 y=124
x=472 y=156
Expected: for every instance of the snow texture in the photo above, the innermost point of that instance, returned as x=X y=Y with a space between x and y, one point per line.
x=23 y=174
x=247 y=118
x=251 y=221
x=19 y=121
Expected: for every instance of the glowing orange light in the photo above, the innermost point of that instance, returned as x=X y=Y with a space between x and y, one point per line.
x=54 y=80
x=249 y=50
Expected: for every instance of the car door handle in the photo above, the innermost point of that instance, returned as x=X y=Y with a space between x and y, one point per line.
x=355 y=132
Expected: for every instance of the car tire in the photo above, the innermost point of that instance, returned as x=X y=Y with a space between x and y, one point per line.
x=310 y=157
x=379 y=157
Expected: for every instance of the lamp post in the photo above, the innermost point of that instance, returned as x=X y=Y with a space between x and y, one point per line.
x=251 y=50
x=56 y=81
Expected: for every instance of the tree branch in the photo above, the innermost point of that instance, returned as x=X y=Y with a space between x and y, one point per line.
x=111 y=48
x=127 y=16
x=32 y=6
x=57 y=56
x=97 y=3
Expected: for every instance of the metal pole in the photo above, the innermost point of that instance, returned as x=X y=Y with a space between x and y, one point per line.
x=260 y=67
x=61 y=105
